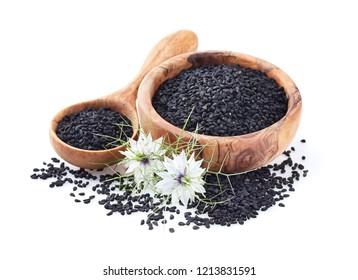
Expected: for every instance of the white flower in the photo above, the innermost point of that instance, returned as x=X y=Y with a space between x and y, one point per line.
x=143 y=158
x=182 y=178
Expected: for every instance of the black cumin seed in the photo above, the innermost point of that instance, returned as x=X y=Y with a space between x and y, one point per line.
x=220 y=101
x=171 y=230
x=84 y=129
x=245 y=196
x=56 y=160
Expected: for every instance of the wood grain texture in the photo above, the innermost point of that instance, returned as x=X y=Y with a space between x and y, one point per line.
x=235 y=153
x=122 y=101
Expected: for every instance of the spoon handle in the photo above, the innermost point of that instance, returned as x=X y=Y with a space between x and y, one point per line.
x=174 y=44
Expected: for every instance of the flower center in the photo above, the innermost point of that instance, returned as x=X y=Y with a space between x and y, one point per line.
x=180 y=178
x=145 y=160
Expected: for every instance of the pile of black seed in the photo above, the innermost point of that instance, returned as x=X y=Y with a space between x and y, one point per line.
x=94 y=129
x=226 y=100
x=242 y=197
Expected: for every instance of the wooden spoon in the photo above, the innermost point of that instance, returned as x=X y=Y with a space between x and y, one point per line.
x=122 y=101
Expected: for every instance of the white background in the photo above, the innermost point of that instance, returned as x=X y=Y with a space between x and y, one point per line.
x=56 y=53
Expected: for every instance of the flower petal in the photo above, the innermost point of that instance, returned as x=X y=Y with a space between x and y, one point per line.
x=167 y=186
x=170 y=166
x=185 y=196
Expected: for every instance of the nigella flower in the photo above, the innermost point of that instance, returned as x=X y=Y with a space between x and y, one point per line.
x=182 y=178
x=143 y=158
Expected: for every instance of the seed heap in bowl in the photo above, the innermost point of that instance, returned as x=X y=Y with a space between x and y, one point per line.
x=94 y=129
x=222 y=100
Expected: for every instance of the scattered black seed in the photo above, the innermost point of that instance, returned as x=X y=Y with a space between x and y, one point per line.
x=86 y=201
x=221 y=100
x=93 y=129
x=171 y=230
x=242 y=199
x=102 y=202
x=56 y=160
x=303 y=157
x=172 y=209
x=187 y=214
x=303 y=140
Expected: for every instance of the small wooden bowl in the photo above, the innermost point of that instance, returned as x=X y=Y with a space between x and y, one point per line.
x=233 y=153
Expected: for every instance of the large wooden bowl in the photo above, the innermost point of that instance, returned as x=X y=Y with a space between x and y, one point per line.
x=232 y=153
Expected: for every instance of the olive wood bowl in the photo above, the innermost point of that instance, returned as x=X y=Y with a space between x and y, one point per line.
x=231 y=154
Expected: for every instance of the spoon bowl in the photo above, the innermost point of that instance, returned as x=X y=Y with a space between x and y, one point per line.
x=122 y=101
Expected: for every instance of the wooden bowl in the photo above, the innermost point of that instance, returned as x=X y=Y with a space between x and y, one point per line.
x=232 y=153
